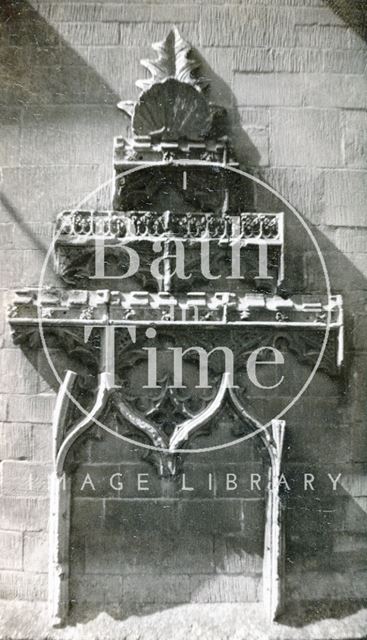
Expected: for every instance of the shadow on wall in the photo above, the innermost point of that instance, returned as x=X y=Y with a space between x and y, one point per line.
x=354 y=14
x=69 y=117
x=38 y=66
x=221 y=94
x=59 y=118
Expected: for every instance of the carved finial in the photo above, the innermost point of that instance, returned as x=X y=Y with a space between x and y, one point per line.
x=173 y=61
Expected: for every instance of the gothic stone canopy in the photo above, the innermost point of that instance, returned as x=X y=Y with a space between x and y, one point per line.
x=177 y=190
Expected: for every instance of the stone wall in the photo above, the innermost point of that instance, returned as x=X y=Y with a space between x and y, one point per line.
x=291 y=74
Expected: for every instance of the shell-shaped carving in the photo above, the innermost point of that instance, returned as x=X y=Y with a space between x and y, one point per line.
x=171 y=110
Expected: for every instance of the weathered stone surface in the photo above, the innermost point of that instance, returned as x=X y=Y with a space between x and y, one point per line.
x=233 y=554
x=356 y=40
x=16 y=585
x=349 y=240
x=121 y=515
x=11 y=550
x=37 y=234
x=69 y=11
x=46 y=191
x=321 y=586
x=222 y=515
x=42 y=443
x=254 y=117
x=125 y=12
x=355 y=482
x=360 y=333
x=30 y=514
x=274 y=90
x=3 y=406
x=148 y=554
x=95 y=590
x=355 y=519
x=15 y=441
x=345 y=195
x=227 y=29
x=350 y=542
x=297 y=60
x=90 y=33
x=35 y=555
x=142 y=33
x=156 y=590
x=350 y=274
x=322 y=36
x=359 y=442
x=225 y=588
x=119 y=67
x=17 y=373
x=335 y=91
x=220 y=61
x=88 y=515
x=317 y=16
x=31 y=408
x=10 y=144
x=254 y=25
x=24 y=479
x=11 y=264
x=305 y=137
x=344 y=61
x=301 y=89
x=162 y=12
x=333 y=443
x=355 y=139
x=47 y=141
x=302 y=187
x=253 y=59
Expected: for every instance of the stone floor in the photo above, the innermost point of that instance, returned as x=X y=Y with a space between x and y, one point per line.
x=28 y=621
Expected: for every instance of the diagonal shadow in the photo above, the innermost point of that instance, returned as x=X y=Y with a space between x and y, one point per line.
x=39 y=66
x=353 y=12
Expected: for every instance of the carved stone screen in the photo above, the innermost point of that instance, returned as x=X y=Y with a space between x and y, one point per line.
x=183 y=443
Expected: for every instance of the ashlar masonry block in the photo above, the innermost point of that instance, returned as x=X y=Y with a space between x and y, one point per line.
x=305 y=137
x=11 y=550
x=345 y=198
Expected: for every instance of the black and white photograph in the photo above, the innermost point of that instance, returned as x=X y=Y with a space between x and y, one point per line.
x=183 y=336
